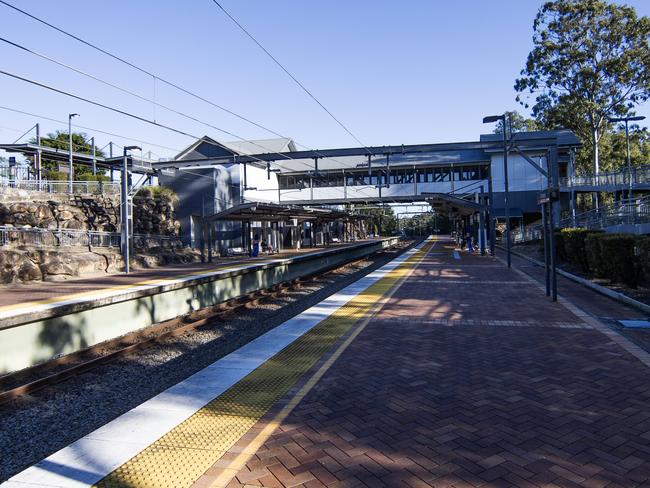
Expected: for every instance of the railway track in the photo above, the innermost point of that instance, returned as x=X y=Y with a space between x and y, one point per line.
x=39 y=377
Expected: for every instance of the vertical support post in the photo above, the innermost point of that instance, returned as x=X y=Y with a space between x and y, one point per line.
x=202 y=241
x=506 y=194
x=415 y=181
x=94 y=153
x=125 y=215
x=70 y=172
x=492 y=220
x=629 y=161
x=481 y=222
x=545 y=236
x=110 y=154
x=572 y=194
x=39 y=161
x=555 y=174
x=210 y=237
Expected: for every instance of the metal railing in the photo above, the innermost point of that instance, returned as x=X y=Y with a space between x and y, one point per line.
x=633 y=212
x=639 y=175
x=78 y=187
x=15 y=237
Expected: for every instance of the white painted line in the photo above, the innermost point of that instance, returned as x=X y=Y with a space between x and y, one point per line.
x=89 y=459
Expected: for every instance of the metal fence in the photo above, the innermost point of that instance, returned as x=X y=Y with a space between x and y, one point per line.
x=13 y=237
x=78 y=187
x=636 y=211
x=621 y=179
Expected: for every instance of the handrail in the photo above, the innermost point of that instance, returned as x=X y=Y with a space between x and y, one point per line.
x=12 y=237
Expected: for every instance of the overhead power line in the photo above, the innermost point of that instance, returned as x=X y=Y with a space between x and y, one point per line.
x=282 y=67
x=64 y=123
x=154 y=76
x=124 y=113
x=142 y=70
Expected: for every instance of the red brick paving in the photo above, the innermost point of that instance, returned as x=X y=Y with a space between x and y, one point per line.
x=419 y=404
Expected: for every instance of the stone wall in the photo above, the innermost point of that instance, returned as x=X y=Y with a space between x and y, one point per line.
x=24 y=261
x=152 y=215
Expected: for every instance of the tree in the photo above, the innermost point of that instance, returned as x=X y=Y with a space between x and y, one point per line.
x=60 y=140
x=613 y=149
x=517 y=123
x=590 y=61
x=381 y=220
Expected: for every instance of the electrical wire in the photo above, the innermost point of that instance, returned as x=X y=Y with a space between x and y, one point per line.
x=142 y=70
x=282 y=67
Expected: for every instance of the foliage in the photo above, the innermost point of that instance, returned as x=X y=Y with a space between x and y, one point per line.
x=382 y=220
x=517 y=123
x=590 y=60
x=61 y=176
x=80 y=144
x=643 y=257
x=573 y=242
x=158 y=192
x=613 y=256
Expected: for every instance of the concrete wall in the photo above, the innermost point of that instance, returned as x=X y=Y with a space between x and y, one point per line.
x=36 y=337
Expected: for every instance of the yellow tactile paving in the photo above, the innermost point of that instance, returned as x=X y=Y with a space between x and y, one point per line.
x=182 y=455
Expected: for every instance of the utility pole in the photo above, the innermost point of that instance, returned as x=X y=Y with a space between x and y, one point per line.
x=70 y=117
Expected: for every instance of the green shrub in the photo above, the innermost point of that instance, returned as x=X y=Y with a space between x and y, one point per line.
x=643 y=258
x=164 y=193
x=62 y=176
x=56 y=175
x=594 y=255
x=573 y=246
x=618 y=260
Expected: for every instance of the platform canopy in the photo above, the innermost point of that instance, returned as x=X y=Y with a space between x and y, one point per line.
x=445 y=203
x=272 y=212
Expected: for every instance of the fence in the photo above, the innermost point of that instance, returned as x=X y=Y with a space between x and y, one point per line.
x=634 y=212
x=13 y=237
x=621 y=179
x=78 y=187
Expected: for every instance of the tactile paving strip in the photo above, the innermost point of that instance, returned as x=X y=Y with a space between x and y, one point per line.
x=182 y=455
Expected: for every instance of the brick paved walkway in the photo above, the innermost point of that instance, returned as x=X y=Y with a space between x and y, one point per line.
x=468 y=377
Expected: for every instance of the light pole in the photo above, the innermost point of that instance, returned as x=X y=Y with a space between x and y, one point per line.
x=125 y=210
x=627 y=144
x=506 y=198
x=70 y=117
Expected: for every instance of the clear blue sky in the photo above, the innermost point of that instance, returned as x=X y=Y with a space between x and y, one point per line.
x=394 y=72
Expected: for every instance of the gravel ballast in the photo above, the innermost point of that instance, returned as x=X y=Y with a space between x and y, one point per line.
x=33 y=427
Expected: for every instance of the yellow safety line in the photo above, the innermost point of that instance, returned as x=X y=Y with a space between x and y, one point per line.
x=152 y=281
x=181 y=456
x=231 y=470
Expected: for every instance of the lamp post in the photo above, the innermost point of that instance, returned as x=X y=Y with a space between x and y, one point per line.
x=627 y=144
x=125 y=210
x=70 y=117
x=506 y=198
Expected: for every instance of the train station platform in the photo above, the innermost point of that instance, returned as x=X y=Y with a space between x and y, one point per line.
x=440 y=369
x=40 y=321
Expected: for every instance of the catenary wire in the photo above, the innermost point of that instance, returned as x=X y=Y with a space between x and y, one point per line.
x=282 y=67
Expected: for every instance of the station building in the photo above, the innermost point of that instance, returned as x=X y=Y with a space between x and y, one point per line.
x=211 y=177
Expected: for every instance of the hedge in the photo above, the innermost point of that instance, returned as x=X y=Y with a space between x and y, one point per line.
x=616 y=257
x=573 y=246
x=63 y=176
x=643 y=258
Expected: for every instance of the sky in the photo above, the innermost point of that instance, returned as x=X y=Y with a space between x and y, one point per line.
x=408 y=72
